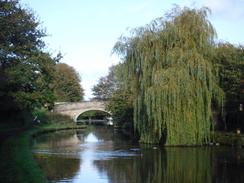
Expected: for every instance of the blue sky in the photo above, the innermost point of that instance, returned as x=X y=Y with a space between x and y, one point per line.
x=85 y=31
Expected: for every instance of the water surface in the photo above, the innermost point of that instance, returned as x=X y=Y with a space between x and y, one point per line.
x=102 y=155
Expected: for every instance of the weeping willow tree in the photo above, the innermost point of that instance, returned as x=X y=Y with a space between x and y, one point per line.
x=168 y=66
x=173 y=164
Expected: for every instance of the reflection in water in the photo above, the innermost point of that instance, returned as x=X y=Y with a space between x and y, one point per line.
x=102 y=155
x=190 y=165
x=91 y=138
x=58 y=154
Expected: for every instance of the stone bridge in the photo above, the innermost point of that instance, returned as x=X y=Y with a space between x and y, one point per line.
x=74 y=109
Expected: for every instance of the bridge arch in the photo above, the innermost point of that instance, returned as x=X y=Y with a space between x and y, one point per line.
x=74 y=109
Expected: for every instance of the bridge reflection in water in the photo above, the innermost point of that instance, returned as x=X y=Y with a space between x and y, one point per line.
x=100 y=154
x=94 y=122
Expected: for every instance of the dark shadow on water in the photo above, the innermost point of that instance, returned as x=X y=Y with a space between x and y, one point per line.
x=105 y=154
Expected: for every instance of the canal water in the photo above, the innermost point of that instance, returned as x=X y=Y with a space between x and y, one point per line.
x=104 y=155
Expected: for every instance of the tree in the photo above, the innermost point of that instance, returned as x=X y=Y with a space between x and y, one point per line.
x=26 y=69
x=106 y=86
x=67 y=84
x=118 y=100
x=93 y=115
x=121 y=106
x=231 y=60
x=168 y=67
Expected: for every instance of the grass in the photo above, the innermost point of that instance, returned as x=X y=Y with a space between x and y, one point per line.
x=17 y=163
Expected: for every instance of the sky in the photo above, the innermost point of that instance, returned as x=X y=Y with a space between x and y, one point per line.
x=85 y=31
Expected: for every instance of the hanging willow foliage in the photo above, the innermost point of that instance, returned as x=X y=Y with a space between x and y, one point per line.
x=167 y=65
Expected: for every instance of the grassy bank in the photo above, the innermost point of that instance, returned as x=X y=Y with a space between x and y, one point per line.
x=17 y=163
x=230 y=138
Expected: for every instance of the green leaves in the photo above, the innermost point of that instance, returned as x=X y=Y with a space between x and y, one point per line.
x=67 y=84
x=167 y=66
x=107 y=86
x=118 y=101
x=231 y=60
x=27 y=68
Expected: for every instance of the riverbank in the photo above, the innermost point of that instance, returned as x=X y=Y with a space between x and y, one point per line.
x=232 y=139
x=17 y=163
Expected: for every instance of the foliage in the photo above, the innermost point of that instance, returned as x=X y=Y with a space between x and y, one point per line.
x=230 y=139
x=121 y=107
x=67 y=84
x=231 y=59
x=42 y=115
x=47 y=117
x=87 y=115
x=26 y=70
x=15 y=119
x=119 y=101
x=167 y=65
x=106 y=86
x=95 y=115
x=55 y=118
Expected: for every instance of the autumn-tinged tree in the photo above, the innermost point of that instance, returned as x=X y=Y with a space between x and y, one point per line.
x=67 y=84
x=118 y=100
x=106 y=86
x=26 y=69
x=168 y=67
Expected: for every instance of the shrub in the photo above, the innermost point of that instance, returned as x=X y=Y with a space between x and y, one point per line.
x=59 y=118
x=47 y=117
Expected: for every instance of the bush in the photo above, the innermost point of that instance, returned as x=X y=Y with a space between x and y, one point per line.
x=59 y=118
x=15 y=119
x=47 y=117
x=42 y=115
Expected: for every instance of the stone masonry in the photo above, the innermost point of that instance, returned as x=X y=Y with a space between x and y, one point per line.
x=74 y=109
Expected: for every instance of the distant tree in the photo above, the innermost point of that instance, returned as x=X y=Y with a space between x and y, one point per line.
x=118 y=100
x=231 y=74
x=93 y=115
x=67 y=84
x=106 y=86
x=26 y=69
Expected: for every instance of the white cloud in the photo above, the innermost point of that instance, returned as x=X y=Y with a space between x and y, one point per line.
x=231 y=9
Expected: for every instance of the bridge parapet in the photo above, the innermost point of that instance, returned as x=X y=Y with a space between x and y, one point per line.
x=74 y=109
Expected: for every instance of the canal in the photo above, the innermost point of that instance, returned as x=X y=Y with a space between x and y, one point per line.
x=105 y=155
